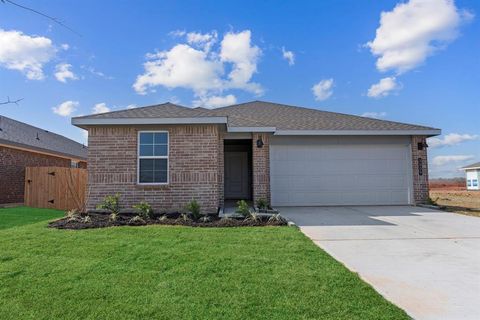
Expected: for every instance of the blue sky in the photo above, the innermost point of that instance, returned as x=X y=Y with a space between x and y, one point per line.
x=419 y=64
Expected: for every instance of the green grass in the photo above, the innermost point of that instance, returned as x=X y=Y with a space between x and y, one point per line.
x=173 y=273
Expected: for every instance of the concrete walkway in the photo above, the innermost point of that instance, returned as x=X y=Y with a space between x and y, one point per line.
x=426 y=262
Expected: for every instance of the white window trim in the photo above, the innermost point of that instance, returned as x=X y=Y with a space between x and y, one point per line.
x=153 y=157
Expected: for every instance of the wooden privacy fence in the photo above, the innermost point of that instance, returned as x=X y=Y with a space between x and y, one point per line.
x=55 y=187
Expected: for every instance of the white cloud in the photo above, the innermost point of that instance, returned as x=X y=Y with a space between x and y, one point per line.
x=132 y=106
x=215 y=101
x=451 y=139
x=25 y=53
x=182 y=66
x=66 y=108
x=65 y=46
x=100 y=108
x=97 y=73
x=414 y=30
x=375 y=115
x=289 y=56
x=323 y=90
x=236 y=48
x=203 y=40
x=63 y=72
x=200 y=65
x=383 y=88
x=443 y=160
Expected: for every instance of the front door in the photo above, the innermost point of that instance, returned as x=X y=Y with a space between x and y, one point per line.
x=236 y=175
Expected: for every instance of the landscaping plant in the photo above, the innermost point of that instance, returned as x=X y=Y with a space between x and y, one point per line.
x=262 y=204
x=194 y=208
x=111 y=203
x=145 y=209
x=276 y=218
x=243 y=208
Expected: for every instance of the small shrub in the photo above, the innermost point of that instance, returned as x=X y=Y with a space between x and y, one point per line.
x=276 y=218
x=194 y=208
x=242 y=208
x=145 y=209
x=71 y=213
x=110 y=203
x=87 y=219
x=163 y=218
x=262 y=204
x=184 y=217
x=205 y=219
x=113 y=217
x=137 y=220
x=253 y=216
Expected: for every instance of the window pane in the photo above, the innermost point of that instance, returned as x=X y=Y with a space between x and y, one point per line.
x=161 y=138
x=160 y=176
x=161 y=164
x=146 y=176
x=160 y=150
x=146 y=138
x=146 y=150
x=147 y=164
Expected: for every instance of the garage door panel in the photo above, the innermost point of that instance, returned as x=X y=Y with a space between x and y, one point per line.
x=339 y=174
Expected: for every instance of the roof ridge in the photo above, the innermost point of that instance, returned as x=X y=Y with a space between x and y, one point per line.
x=137 y=108
x=325 y=111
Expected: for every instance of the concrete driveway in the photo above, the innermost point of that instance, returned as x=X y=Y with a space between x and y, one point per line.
x=426 y=262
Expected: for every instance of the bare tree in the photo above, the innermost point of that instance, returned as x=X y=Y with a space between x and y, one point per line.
x=11 y=101
x=57 y=21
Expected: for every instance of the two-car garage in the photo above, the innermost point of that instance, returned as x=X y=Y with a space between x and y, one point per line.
x=340 y=170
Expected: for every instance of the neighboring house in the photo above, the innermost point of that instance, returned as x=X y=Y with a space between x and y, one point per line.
x=472 y=173
x=168 y=155
x=22 y=145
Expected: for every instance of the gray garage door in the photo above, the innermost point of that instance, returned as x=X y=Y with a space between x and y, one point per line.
x=312 y=172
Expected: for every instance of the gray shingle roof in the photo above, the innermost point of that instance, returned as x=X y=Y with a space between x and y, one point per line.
x=473 y=165
x=165 y=110
x=265 y=114
x=23 y=135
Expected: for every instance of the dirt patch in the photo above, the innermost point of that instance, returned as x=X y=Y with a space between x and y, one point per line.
x=102 y=220
x=459 y=201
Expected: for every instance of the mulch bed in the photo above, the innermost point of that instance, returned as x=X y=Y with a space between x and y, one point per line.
x=102 y=220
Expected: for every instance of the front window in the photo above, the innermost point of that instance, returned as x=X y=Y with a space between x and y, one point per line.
x=474 y=183
x=469 y=183
x=153 y=157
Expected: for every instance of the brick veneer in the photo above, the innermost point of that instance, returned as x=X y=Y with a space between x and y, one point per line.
x=193 y=167
x=420 y=182
x=12 y=170
x=261 y=167
x=221 y=168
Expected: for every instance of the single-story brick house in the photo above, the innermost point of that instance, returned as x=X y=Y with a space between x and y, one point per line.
x=23 y=145
x=168 y=155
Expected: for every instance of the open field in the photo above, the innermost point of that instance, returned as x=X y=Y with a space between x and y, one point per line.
x=164 y=272
x=457 y=200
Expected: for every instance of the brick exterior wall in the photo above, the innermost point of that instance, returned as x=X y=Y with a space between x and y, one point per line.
x=12 y=171
x=261 y=167
x=420 y=182
x=193 y=167
x=221 y=168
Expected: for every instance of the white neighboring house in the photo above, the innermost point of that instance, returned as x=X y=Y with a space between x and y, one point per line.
x=472 y=173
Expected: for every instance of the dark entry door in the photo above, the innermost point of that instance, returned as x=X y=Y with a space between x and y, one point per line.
x=236 y=175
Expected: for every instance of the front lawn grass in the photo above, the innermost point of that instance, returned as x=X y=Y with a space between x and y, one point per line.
x=159 y=272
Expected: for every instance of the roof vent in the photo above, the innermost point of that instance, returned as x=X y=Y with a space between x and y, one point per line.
x=38 y=138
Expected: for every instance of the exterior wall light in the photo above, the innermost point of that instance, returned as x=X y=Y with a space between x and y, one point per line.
x=259 y=142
